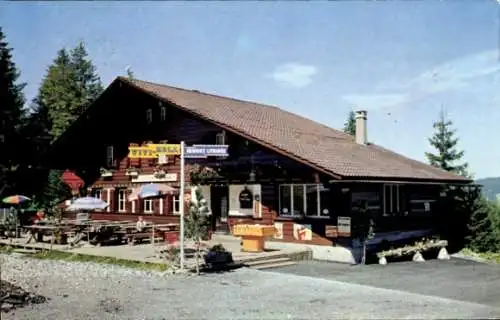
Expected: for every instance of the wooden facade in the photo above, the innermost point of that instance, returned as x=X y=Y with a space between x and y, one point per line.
x=285 y=191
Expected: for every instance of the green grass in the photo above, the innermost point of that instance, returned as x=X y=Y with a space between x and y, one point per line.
x=78 y=257
x=490 y=256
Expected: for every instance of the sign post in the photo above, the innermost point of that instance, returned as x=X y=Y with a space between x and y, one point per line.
x=182 y=204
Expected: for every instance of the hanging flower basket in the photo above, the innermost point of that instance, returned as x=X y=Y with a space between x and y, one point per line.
x=159 y=174
x=132 y=172
x=106 y=173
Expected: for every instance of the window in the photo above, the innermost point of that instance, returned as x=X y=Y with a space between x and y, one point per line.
x=121 y=200
x=366 y=200
x=391 y=199
x=97 y=193
x=148 y=206
x=163 y=113
x=149 y=115
x=2 y=138
x=110 y=156
x=304 y=199
x=176 y=205
x=220 y=138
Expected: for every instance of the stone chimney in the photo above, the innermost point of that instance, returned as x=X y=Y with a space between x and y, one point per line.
x=361 y=134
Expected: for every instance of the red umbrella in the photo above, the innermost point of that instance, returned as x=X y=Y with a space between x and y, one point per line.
x=73 y=181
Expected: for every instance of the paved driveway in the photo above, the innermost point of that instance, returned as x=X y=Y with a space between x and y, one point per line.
x=456 y=279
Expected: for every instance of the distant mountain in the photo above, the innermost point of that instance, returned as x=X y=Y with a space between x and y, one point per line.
x=491 y=187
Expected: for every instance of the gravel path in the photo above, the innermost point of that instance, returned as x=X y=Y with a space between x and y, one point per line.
x=91 y=291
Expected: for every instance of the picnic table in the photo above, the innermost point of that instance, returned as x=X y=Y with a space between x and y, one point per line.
x=150 y=231
x=36 y=232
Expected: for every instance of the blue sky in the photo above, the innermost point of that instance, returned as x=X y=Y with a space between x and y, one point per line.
x=400 y=60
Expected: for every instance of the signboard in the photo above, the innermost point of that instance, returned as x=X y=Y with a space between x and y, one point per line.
x=302 y=232
x=344 y=226
x=278 y=226
x=152 y=151
x=246 y=199
x=331 y=231
x=199 y=151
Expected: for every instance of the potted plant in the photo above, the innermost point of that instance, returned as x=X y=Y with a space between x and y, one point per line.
x=105 y=173
x=218 y=257
x=132 y=172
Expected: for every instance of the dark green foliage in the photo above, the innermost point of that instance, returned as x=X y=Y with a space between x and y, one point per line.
x=12 y=115
x=464 y=216
x=68 y=88
x=350 y=125
x=70 y=85
x=54 y=192
x=448 y=157
x=482 y=234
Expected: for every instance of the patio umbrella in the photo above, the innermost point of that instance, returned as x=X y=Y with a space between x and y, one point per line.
x=16 y=199
x=87 y=203
x=154 y=190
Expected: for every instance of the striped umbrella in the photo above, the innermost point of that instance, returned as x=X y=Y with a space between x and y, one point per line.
x=16 y=199
x=87 y=203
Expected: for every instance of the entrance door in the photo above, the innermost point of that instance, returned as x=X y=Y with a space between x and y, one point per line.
x=219 y=199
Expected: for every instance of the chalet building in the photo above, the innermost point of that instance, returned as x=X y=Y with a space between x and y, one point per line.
x=307 y=179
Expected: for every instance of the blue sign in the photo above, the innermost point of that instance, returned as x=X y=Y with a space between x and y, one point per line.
x=206 y=150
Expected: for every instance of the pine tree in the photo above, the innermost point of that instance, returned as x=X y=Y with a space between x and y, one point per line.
x=482 y=235
x=70 y=85
x=350 y=125
x=11 y=118
x=444 y=140
x=464 y=217
x=197 y=223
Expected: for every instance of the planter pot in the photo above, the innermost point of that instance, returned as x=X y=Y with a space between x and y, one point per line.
x=218 y=259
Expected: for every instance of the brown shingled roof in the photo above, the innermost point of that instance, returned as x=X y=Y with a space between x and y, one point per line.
x=322 y=147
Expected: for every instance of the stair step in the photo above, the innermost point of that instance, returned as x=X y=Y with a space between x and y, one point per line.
x=247 y=260
x=266 y=261
x=274 y=265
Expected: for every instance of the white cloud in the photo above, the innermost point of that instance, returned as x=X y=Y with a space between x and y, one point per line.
x=453 y=75
x=293 y=74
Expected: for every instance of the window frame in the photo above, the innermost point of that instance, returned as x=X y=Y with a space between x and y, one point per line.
x=163 y=113
x=176 y=199
x=110 y=156
x=149 y=115
x=391 y=204
x=122 y=201
x=150 y=201
x=304 y=186
x=220 y=138
x=96 y=192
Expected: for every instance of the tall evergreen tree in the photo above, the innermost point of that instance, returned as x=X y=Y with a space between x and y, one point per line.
x=350 y=125
x=70 y=85
x=464 y=215
x=11 y=118
x=444 y=140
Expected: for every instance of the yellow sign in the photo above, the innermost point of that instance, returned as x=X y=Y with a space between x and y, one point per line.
x=152 y=151
x=253 y=230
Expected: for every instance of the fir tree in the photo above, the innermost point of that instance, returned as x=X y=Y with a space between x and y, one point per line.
x=11 y=119
x=482 y=235
x=197 y=223
x=444 y=140
x=70 y=85
x=350 y=125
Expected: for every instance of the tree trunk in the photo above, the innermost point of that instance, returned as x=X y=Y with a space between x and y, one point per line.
x=363 y=257
x=197 y=261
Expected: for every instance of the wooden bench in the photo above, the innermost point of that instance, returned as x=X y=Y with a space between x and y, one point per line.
x=133 y=238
